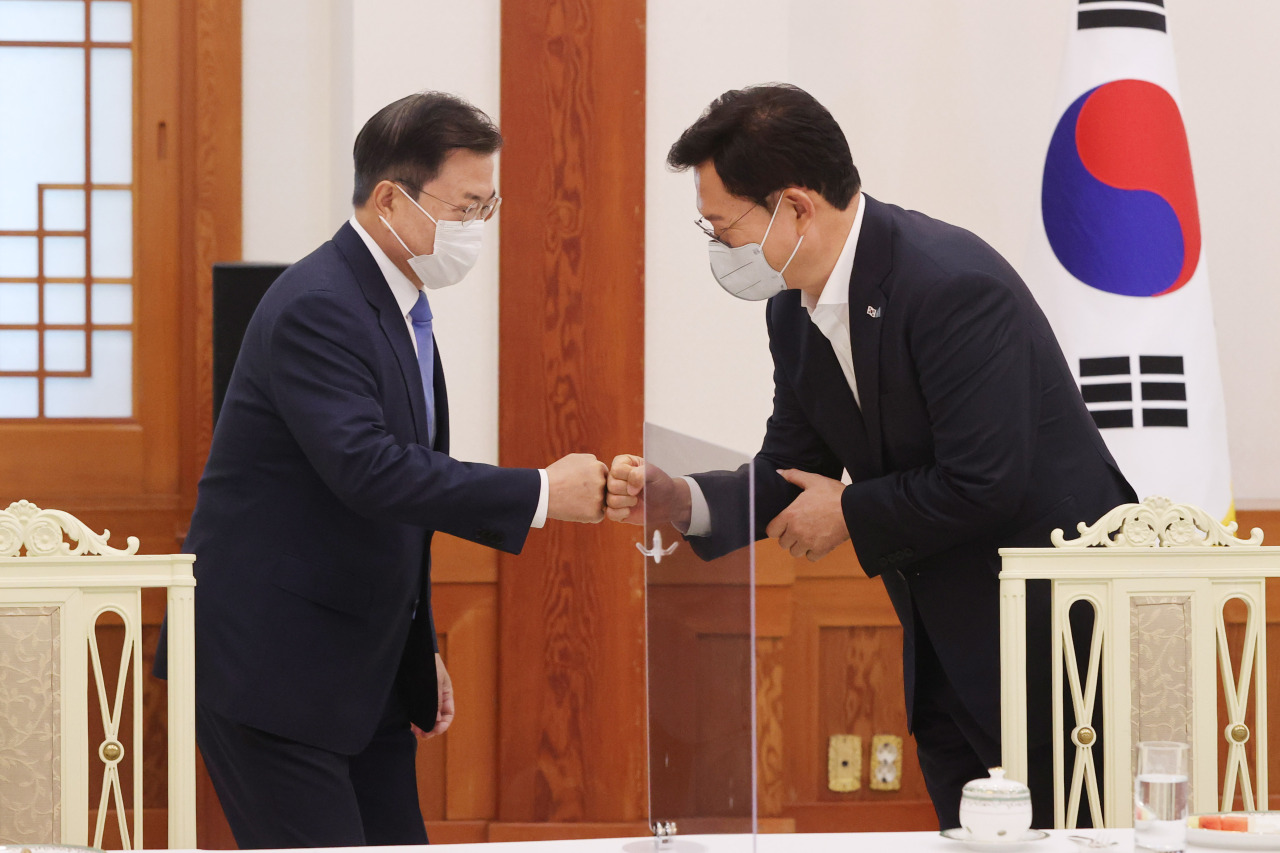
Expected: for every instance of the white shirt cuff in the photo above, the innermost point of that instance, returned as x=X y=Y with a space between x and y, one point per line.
x=699 y=512
x=544 y=496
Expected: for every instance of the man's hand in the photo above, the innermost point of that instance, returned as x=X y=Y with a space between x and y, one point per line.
x=813 y=525
x=444 y=706
x=636 y=489
x=575 y=485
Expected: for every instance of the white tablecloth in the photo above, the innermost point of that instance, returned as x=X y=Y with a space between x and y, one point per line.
x=844 y=842
x=851 y=842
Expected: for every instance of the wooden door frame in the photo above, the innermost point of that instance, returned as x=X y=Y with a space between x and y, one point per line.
x=212 y=214
x=209 y=136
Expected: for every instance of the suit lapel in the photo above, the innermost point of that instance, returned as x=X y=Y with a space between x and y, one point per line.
x=872 y=263
x=820 y=382
x=378 y=294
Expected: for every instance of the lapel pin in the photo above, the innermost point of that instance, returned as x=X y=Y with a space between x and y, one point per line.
x=873 y=313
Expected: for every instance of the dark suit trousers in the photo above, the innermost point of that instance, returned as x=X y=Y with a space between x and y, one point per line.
x=278 y=793
x=954 y=748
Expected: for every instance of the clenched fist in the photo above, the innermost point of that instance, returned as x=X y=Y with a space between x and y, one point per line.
x=575 y=485
x=640 y=492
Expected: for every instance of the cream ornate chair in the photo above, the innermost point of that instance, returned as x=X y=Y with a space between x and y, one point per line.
x=1158 y=588
x=51 y=601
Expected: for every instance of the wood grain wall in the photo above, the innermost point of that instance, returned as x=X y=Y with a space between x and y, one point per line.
x=571 y=710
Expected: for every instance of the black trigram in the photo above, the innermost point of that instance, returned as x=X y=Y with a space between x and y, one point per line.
x=1110 y=397
x=1096 y=14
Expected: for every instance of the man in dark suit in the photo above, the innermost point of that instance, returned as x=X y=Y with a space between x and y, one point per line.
x=909 y=354
x=328 y=474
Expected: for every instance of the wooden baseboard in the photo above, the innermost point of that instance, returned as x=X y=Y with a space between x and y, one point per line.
x=868 y=816
x=472 y=831
x=564 y=831
x=458 y=831
x=731 y=826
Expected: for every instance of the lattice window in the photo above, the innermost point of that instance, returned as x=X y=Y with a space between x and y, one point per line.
x=67 y=293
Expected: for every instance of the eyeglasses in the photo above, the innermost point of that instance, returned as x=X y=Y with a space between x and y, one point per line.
x=482 y=210
x=711 y=232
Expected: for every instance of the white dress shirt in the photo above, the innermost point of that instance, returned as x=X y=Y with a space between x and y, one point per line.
x=406 y=295
x=830 y=313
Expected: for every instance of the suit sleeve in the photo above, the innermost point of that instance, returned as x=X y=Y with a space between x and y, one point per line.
x=789 y=442
x=973 y=351
x=329 y=398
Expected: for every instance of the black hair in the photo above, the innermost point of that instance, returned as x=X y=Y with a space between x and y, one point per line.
x=409 y=139
x=764 y=138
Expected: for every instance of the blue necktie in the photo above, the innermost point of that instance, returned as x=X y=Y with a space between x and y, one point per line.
x=420 y=314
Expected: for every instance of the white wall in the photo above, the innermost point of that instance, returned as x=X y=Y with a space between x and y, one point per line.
x=948 y=107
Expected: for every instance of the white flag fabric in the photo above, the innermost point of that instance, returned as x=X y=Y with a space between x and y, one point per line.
x=1119 y=266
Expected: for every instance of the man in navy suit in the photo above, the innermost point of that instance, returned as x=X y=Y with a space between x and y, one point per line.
x=329 y=472
x=909 y=354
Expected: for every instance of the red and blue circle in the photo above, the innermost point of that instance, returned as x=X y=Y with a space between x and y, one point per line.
x=1118 y=199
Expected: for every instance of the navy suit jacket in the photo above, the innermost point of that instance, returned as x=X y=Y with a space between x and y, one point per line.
x=971 y=436
x=312 y=529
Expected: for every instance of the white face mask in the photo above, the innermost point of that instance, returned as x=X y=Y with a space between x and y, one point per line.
x=743 y=270
x=455 y=252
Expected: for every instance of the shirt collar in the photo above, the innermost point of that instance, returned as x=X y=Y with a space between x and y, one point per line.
x=839 y=294
x=404 y=290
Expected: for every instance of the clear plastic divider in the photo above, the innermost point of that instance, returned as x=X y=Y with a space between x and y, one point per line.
x=700 y=640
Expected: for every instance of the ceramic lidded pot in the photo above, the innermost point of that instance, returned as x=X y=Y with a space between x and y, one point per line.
x=995 y=808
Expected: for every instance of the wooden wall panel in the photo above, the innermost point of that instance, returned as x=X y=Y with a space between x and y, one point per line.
x=842 y=674
x=457 y=773
x=771 y=787
x=867 y=662
x=571 y=683
x=430 y=762
x=721 y=777
x=828 y=662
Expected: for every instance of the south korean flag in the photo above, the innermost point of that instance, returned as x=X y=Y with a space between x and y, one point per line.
x=1119 y=266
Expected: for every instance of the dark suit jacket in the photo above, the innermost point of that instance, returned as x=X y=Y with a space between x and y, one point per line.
x=971 y=436
x=312 y=530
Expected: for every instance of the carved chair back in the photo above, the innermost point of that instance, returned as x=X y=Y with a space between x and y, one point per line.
x=53 y=598
x=1164 y=583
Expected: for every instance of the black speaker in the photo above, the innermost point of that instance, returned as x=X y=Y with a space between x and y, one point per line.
x=237 y=290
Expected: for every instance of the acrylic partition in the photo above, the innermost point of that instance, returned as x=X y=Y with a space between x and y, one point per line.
x=700 y=639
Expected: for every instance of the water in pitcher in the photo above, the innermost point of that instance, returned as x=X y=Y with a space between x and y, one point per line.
x=1160 y=811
